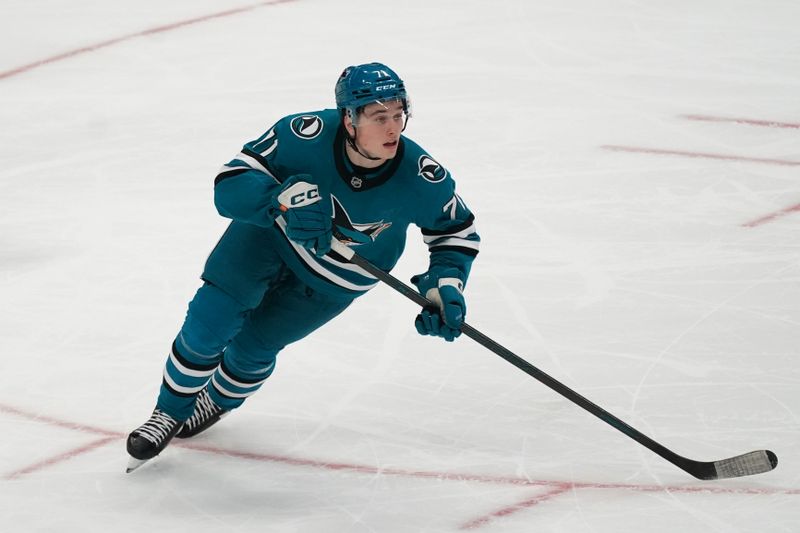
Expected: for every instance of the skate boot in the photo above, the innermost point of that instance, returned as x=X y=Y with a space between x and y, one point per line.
x=206 y=414
x=150 y=439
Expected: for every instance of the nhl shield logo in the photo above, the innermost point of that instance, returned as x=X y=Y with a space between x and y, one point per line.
x=431 y=170
x=306 y=126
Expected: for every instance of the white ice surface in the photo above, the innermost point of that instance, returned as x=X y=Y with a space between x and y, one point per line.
x=631 y=277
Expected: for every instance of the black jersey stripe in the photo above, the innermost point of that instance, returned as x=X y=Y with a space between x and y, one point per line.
x=466 y=251
x=263 y=160
x=229 y=174
x=452 y=229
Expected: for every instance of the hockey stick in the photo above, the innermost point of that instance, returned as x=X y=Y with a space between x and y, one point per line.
x=747 y=464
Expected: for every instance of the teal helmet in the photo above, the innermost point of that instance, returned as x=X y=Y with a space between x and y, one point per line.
x=361 y=85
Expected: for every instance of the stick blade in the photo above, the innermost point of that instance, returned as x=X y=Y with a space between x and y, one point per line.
x=747 y=464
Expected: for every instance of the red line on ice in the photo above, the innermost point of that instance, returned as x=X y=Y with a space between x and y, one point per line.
x=110 y=436
x=519 y=506
x=748 y=121
x=151 y=31
x=726 y=157
x=41 y=465
x=772 y=216
x=456 y=476
x=57 y=422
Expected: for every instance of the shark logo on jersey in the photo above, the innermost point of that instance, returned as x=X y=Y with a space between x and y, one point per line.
x=307 y=126
x=350 y=233
x=431 y=170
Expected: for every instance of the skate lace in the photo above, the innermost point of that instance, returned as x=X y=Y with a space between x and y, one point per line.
x=158 y=427
x=204 y=409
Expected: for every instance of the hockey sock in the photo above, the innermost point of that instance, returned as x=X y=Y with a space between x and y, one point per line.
x=231 y=386
x=186 y=373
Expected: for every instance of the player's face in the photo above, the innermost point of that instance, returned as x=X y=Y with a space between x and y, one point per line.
x=379 y=128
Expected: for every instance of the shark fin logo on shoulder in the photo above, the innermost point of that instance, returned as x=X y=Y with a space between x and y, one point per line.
x=430 y=169
x=307 y=127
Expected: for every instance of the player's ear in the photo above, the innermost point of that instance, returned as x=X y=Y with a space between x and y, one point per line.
x=348 y=125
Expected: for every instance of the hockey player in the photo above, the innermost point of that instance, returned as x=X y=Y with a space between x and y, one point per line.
x=346 y=173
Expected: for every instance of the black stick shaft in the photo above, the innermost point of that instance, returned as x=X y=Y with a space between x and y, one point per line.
x=703 y=470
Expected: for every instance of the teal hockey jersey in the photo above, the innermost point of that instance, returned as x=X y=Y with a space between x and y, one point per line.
x=372 y=208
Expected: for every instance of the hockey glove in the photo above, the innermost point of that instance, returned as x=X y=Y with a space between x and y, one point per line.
x=443 y=288
x=307 y=214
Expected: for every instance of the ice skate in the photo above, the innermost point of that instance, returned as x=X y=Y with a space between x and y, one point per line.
x=150 y=439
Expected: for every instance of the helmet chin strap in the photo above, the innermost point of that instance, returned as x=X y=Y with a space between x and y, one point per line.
x=351 y=140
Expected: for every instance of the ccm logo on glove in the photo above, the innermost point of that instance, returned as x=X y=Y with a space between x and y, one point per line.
x=300 y=194
x=306 y=213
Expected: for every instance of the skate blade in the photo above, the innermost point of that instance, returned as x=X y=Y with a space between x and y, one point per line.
x=134 y=463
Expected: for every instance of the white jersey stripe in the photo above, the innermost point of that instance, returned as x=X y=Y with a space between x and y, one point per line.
x=461 y=243
x=228 y=168
x=348 y=266
x=253 y=163
x=313 y=264
x=269 y=150
x=461 y=234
